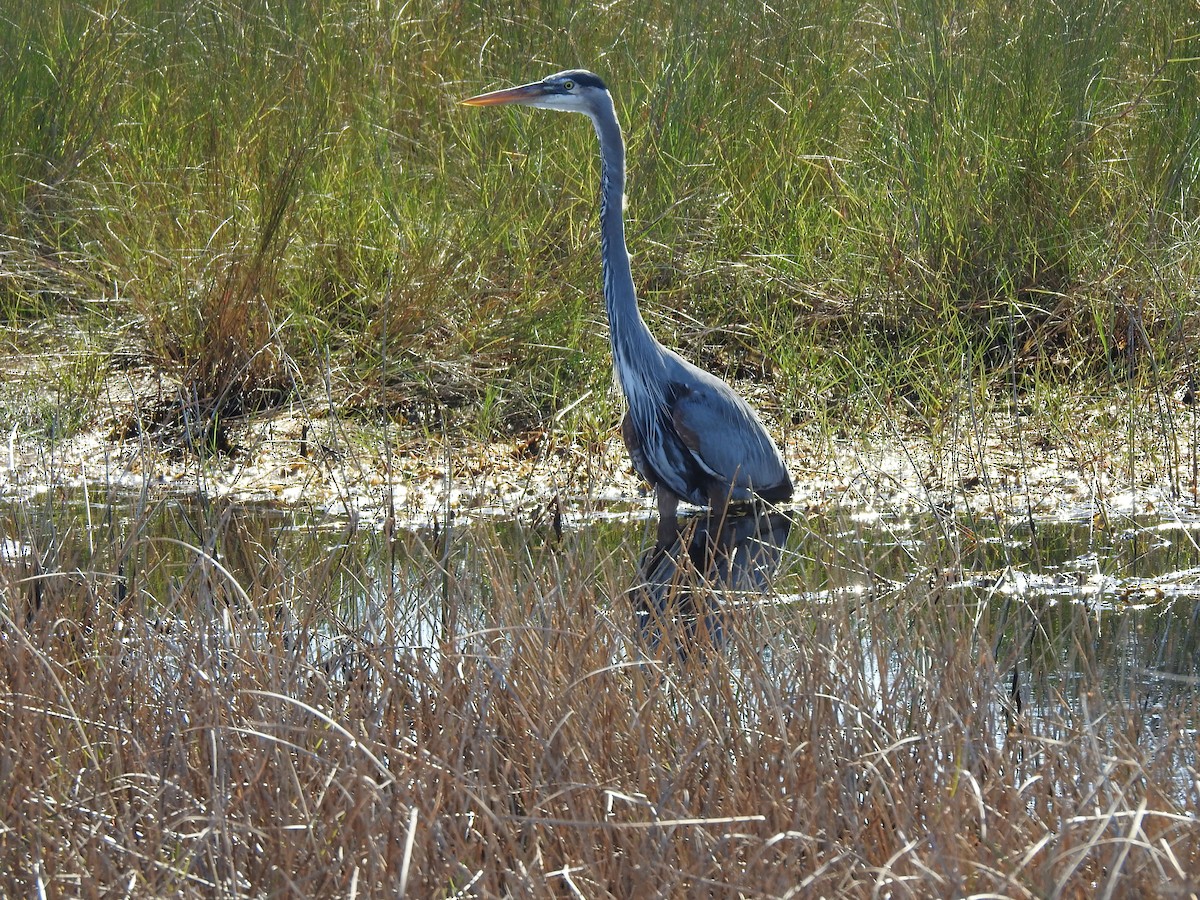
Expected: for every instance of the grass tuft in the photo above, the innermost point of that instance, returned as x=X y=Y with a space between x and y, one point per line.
x=242 y=709
x=268 y=188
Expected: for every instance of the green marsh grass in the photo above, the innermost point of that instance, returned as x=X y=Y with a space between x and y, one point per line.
x=245 y=191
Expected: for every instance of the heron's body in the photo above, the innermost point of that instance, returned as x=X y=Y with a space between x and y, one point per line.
x=688 y=433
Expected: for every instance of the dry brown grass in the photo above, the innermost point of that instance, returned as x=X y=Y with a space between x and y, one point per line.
x=225 y=723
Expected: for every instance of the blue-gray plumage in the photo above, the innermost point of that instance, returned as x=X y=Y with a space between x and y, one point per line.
x=688 y=432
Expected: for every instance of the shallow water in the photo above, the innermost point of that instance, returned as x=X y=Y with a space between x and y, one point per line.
x=1075 y=602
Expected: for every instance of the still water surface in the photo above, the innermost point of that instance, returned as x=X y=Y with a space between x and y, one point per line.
x=1086 y=603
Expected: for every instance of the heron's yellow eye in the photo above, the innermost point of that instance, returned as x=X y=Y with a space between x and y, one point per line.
x=568 y=85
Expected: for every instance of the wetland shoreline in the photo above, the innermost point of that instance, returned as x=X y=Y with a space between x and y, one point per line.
x=1103 y=459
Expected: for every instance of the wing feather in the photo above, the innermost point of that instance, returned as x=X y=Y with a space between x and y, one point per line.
x=727 y=438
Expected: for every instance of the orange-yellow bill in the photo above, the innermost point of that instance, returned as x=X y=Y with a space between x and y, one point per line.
x=522 y=94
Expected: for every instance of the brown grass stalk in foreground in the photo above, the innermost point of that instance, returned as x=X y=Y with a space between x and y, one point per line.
x=191 y=740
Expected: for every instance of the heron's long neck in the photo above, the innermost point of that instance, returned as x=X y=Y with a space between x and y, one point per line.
x=632 y=344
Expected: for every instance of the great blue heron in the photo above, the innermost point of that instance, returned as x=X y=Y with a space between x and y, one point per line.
x=688 y=432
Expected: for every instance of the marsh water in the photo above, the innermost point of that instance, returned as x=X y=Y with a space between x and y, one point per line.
x=1090 y=602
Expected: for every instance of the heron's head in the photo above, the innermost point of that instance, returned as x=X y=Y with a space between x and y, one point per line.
x=575 y=90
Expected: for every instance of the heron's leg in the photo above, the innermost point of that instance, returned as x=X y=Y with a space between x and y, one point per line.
x=668 y=518
x=718 y=502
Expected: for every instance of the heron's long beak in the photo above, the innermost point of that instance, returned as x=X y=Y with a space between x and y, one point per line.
x=526 y=93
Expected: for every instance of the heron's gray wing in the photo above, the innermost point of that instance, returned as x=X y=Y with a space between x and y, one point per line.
x=727 y=438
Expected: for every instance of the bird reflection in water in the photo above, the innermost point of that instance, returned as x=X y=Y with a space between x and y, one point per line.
x=685 y=592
